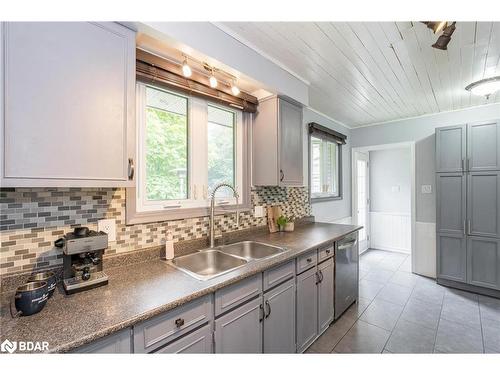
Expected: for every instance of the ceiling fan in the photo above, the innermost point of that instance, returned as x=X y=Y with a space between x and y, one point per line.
x=446 y=27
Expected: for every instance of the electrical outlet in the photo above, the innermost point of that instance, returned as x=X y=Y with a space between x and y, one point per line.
x=108 y=226
x=426 y=189
x=259 y=211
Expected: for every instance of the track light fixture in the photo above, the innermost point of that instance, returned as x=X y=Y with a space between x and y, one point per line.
x=234 y=89
x=186 y=69
x=441 y=26
x=436 y=26
x=213 y=80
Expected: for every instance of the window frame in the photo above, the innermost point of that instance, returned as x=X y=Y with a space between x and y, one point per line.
x=138 y=212
x=325 y=197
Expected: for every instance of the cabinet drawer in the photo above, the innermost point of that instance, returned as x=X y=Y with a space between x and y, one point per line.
x=197 y=342
x=307 y=261
x=153 y=333
x=325 y=252
x=116 y=343
x=236 y=294
x=277 y=275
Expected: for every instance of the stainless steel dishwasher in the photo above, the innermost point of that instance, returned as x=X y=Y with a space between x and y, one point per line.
x=346 y=273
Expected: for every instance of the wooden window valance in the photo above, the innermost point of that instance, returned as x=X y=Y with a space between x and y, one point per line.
x=323 y=132
x=156 y=70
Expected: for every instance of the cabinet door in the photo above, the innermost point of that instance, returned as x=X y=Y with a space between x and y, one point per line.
x=483 y=262
x=69 y=104
x=307 y=309
x=291 y=163
x=483 y=204
x=451 y=257
x=279 y=321
x=116 y=343
x=325 y=294
x=197 y=342
x=451 y=203
x=450 y=148
x=483 y=144
x=240 y=331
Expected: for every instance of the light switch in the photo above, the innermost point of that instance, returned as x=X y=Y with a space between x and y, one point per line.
x=108 y=226
x=259 y=211
x=426 y=189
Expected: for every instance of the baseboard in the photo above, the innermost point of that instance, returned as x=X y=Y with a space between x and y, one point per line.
x=469 y=288
x=393 y=249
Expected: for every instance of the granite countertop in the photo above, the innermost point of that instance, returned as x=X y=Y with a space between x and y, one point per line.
x=139 y=292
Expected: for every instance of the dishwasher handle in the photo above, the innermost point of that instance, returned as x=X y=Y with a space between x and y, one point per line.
x=346 y=245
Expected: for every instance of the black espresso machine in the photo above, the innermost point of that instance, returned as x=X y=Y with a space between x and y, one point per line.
x=82 y=259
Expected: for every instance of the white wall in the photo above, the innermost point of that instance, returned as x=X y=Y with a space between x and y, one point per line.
x=337 y=210
x=390 y=199
x=390 y=180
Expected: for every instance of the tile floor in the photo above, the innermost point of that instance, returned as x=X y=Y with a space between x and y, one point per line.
x=400 y=312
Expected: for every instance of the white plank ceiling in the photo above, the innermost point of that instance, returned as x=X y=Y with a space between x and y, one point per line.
x=362 y=73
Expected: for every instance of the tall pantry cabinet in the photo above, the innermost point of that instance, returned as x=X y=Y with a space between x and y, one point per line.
x=468 y=206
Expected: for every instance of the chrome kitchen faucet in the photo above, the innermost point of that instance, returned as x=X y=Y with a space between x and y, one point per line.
x=212 y=210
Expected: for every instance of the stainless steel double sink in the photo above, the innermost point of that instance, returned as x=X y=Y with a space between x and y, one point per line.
x=209 y=263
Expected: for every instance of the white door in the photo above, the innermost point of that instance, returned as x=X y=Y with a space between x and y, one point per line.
x=361 y=200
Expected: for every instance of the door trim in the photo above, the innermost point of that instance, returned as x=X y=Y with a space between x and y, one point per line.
x=411 y=146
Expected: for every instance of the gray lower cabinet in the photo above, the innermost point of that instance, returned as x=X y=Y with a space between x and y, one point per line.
x=451 y=148
x=451 y=203
x=240 y=331
x=483 y=143
x=116 y=343
x=483 y=262
x=483 y=204
x=197 y=342
x=307 y=308
x=325 y=295
x=279 y=319
x=452 y=257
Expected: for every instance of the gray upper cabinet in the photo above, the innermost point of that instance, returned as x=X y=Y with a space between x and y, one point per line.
x=240 y=331
x=277 y=137
x=483 y=141
x=307 y=309
x=69 y=104
x=450 y=148
x=325 y=294
x=483 y=204
x=279 y=319
x=451 y=203
x=483 y=262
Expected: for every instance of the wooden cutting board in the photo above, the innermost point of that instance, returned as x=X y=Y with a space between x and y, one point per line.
x=273 y=213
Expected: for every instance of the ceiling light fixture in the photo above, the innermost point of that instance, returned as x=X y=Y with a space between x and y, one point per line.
x=485 y=87
x=234 y=89
x=213 y=80
x=436 y=26
x=186 y=69
x=445 y=38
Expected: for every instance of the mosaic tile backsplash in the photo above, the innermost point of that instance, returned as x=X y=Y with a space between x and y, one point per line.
x=31 y=219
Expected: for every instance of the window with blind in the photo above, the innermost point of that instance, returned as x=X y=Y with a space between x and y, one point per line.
x=325 y=171
x=187 y=146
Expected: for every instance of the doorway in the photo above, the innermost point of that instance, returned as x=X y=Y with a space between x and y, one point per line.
x=383 y=197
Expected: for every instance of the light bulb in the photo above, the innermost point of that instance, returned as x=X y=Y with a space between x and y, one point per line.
x=235 y=90
x=186 y=69
x=213 y=81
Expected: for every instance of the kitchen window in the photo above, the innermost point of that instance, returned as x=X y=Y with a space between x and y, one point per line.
x=186 y=146
x=325 y=166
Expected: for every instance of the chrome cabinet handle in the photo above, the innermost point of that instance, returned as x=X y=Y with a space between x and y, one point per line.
x=465 y=231
x=317 y=279
x=268 y=305
x=131 y=169
x=179 y=322
x=469 y=227
x=321 y=276
x=282 y=175
x=463 y=164
x=309 y=260
x=261 y=313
